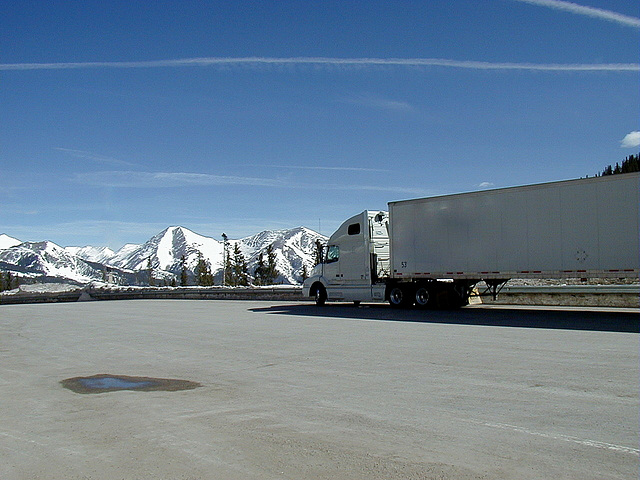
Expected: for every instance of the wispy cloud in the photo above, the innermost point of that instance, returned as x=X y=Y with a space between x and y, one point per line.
x=376 y=188
x=631 y=140
x=600 y=13
x=222 y=62
x=378 y=102
x=313 y=167
x=129 y=179
x=94 y=157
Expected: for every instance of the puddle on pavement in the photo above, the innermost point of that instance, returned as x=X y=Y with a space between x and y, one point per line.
x=111 y=383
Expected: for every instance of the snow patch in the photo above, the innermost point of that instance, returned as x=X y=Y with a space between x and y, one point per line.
x=7 y=242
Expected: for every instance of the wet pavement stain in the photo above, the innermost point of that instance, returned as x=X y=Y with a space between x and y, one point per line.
x=111 y=383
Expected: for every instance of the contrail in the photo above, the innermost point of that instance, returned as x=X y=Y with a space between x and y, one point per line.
x=588 y=11
x=332 y=62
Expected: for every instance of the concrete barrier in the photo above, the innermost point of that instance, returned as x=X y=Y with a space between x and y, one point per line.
x=570 y=295
x=138 y=293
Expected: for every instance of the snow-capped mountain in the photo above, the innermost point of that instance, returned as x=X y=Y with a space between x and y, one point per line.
x=48 y=260
x=293 y=248
x=7 y=242
x=166 y=250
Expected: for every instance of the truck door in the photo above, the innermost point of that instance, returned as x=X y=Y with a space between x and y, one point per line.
x=331 y=268
x=354 y=257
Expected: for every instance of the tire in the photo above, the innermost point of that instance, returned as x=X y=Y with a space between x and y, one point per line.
x=320 y=295
x=423 y=297
x=399 y=297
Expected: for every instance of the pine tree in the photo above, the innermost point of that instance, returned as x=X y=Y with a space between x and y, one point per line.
x=204 y=277
x=305 y=273
x=630 y=164
x=12 y=281
x=183 y=271
x=239 y=267
x=227 y=271
x=318 y=253
x=229 y=278
x=272 y=272
x=150 y=272
x=260 y=271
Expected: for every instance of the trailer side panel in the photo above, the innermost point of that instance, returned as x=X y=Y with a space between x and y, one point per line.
x=576 y=228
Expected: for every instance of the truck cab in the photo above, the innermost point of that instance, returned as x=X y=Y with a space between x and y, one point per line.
x=356 y=262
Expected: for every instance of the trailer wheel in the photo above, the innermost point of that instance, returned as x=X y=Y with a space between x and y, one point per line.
x=423 y=297
x=399 y=297
x=320 y=295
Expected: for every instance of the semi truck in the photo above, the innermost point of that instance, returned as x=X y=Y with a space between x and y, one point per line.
x=433 y=252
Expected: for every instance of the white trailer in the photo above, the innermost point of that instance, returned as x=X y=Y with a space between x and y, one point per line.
x=433 y=251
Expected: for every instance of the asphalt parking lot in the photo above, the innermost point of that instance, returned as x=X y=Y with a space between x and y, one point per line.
x=291 y=391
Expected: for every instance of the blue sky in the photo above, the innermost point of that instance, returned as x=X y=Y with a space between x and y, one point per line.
x=297 y=113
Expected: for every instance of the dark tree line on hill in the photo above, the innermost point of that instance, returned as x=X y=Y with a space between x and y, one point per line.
x=629 y=164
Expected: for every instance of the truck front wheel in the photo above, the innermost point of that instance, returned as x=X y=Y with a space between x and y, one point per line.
x=320 y=295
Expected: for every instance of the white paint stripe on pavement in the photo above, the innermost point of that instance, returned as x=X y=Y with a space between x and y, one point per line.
x=566 y=438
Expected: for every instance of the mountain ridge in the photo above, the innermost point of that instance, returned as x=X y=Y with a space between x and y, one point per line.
x=161 y=256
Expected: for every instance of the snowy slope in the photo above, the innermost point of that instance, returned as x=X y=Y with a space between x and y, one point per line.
x=46 y=259
x=92 y=254
x=7 y=242
x=166 y=250
x=293 y=248
x=123 y=253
